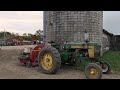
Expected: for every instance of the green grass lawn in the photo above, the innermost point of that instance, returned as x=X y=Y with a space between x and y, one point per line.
x=113 y=57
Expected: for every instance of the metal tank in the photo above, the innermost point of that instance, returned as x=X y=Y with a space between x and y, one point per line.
x=70 y=26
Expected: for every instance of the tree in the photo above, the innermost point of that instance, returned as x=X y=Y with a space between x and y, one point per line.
x=25 y=34
x=29 y=36
x=5 y=34
x=20 y=38
x=17 y=35
x=39 y=35
x=39 y=32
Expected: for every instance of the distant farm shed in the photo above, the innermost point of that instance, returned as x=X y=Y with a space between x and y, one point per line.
x=115 y=45
x=25 y=42
x=110 y=41
x=107 y=43
x=10 y=41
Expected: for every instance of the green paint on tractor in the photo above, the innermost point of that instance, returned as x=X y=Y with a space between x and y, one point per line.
x=74 y=51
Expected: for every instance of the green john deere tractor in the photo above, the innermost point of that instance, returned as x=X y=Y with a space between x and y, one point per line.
x=53 y=55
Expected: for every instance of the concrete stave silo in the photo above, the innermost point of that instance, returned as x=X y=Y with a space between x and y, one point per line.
x=71 y=25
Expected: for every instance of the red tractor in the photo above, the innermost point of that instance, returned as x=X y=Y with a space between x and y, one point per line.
x=29 y=56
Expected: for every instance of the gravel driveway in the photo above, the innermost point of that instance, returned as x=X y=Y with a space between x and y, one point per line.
x=10 y=68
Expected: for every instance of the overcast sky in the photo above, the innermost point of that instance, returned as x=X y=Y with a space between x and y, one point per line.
x=30 y=21
x=111 y=21
x=21 y=21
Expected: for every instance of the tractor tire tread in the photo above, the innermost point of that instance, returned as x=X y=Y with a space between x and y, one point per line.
x=56 y=57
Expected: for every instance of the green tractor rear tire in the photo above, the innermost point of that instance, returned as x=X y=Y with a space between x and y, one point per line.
x=49 y=60
x=93 y=71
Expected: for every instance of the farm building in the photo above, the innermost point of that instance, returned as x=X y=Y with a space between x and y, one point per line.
x=25 y=42
x=115 y=42
x=107 y=37
x=10 y=41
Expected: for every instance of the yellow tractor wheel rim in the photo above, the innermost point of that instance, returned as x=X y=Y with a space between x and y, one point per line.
x=93 y=72
x=47 y=61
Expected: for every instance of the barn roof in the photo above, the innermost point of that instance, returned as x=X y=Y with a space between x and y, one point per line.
x=106 y=32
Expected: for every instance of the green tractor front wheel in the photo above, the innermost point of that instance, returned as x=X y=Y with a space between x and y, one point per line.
x=49 y=60
x=106 y=67
x=93 y=71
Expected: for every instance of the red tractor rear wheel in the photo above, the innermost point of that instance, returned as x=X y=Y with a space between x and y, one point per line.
x=49 y=60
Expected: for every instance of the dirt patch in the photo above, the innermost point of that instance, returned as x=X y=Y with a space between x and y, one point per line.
x=10 y=68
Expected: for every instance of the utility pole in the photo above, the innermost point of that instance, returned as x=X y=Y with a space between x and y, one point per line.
x=4 y=35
